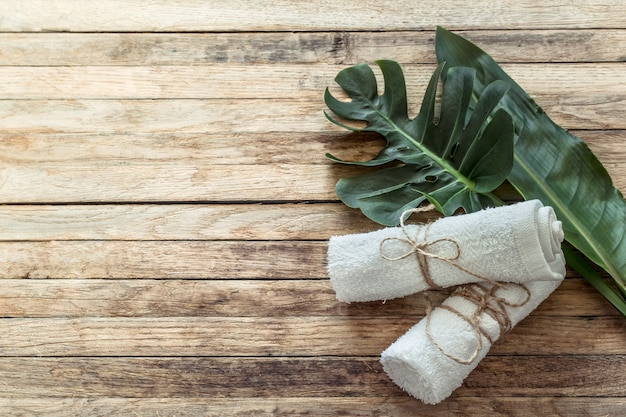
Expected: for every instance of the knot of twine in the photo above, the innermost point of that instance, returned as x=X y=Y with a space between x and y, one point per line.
x=422 y=249
x=487 y=301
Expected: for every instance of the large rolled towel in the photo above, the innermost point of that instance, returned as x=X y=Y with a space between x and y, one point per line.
x=433 y=358
x=514 y=243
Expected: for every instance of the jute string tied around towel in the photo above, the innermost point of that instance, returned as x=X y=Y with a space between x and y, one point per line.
x=488 y=302
x=485 y=299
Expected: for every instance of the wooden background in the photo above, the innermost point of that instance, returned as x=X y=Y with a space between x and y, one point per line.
x=165 y=206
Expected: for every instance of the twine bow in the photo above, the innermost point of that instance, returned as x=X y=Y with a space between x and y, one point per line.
x=485 y=298
x=422 y=248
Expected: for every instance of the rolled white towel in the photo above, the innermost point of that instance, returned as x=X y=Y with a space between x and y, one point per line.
x=514 y=243
x=433 y=358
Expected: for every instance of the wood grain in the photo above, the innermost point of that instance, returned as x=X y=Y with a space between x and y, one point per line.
x=282 y=336
x=129 y=377
x=264 y=15
x=165 y=204
x=58 y=183
x=226 y=148
x=176 y=167
x=336 y=47
x=182 y=222
x=163 y=259
x=328 y=406
x=304 y=81
x=162 y=184
x=297 y=259
x=248 y=116
x=77 y=298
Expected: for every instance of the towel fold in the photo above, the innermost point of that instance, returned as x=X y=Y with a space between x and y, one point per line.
x=433 y=358
x=515 y=243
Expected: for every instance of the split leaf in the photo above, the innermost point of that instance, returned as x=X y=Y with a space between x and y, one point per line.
x=454 y=159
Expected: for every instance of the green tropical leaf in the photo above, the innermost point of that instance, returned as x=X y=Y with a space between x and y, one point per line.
x=555 y=167
x=454 y=159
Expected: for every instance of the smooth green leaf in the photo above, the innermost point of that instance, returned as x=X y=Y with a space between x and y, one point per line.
x=455 y=159
x=553 y=166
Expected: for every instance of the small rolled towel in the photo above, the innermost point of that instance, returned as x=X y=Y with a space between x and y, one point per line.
x=433 y=358
x=514 y=243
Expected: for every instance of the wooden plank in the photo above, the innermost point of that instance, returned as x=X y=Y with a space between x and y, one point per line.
x=163 y=116
x=208 y=148
x=556 y=376
x=225 y=148
x=266 y=15
x=162 y=259
x=33 y=150
x=199 y=336
x=246 y=116
x=183 y=222
x=192 y=377
x=59 y=169
x=330 y=406
x=345 y=48
x=188 y=298
x=54 y=183
x=523 y=407
x=501 y=376
x=60 y=183
x=559 y=336
x=181 y=298
x=574 y=84
x=186 y=82
x=282 y=336
x=74 y=179
x=228 y=298
x=220 y=407
x=575 y=297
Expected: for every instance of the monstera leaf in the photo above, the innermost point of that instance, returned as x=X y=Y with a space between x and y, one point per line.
x=557 y=168
x=454 y=159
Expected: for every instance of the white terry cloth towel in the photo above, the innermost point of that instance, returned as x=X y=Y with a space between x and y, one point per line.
x=424 y=370
x=515 y=243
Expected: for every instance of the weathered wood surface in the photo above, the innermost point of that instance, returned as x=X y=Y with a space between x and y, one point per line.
x=165 y=205
x=75 y=298
x=336 y=47
x=323 y=407
x=285 y=15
